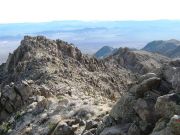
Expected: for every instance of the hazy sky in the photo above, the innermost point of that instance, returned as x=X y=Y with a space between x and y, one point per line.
x=49 y=10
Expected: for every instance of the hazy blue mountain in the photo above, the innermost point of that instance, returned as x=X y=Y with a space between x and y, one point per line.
x=169 y=48
x=175 y=53
x=91 y=36
x=104 y=52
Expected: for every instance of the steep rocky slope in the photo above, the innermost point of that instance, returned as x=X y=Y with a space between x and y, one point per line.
x=168 y=48
x=47 y=82
x=150 y=107
x=136 y=60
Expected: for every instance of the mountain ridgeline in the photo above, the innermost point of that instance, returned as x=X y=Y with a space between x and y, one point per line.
x=49 y=87
x=89 y=36
x=105 y=51
x=170 y=48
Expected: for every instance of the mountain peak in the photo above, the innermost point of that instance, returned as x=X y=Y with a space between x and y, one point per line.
x=37 y=52
x=104 y=52
x=166 y=47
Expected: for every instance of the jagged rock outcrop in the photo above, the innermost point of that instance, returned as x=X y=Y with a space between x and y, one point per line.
x=146 y=108
x=45 y=82
x=39 y=59
x=137 y=61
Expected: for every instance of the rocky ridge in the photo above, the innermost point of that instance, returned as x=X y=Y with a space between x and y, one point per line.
x=49 y=80
x=137 y=61
x=48 y=87
x=169 y=48
x=150 y=107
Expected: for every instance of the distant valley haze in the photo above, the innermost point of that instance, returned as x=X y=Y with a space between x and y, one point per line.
x=89 y=24
x=89 y=36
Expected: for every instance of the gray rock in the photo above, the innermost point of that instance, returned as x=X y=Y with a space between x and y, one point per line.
x=82 y=123
x=90 y=132
x=141 y=108
x=107 y=121
x=123 y=109
x=171 y=73
x=175 y=63
x=84 y=112
x=165 y=128
x=145 y=110
x=64 y=129
x=145 y=127
x=168 y=105
x=91 y=124
x=146 y=85
x=116 y=130
x=25 y=91
x=147 y=76
x=4 y=115
x=165 y=131
x=134 y=130
x=41 y=106
x=160 y=124
x=9 y=92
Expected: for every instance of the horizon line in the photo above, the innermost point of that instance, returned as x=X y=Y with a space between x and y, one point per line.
x=128 y=20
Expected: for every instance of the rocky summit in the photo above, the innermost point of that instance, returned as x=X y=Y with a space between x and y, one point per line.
x=48 y=87
x=47 y=82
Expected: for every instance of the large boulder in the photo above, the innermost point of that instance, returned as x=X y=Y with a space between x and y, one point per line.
x=63 y=129
x=13 y=97
x=107 y=121
x=145 y=110
x=168 y=105
x=134 y=130
x=168 y=128
x=171 y=73
x=123 y=109
x=146 y=85
x=116 y=130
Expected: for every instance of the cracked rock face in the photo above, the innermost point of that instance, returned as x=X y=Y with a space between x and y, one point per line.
x=13 y=98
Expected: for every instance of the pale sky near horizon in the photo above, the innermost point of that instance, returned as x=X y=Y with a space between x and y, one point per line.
x=12 y=11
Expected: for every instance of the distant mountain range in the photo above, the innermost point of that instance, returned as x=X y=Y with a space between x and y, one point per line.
x=170 y=48
x=105 y=51
x=91 y=36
